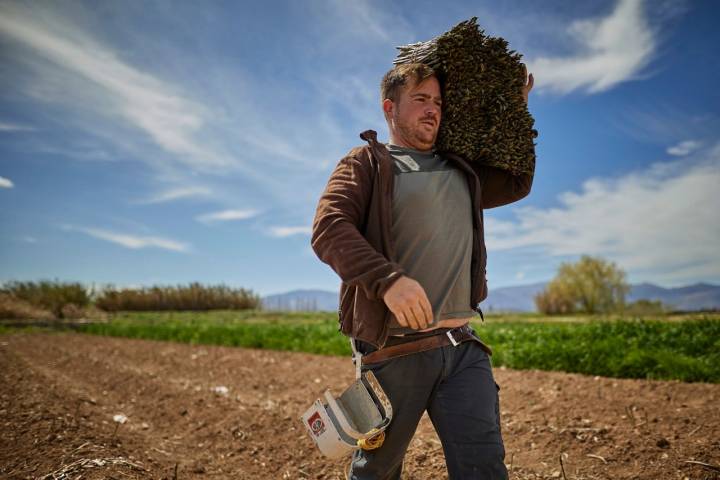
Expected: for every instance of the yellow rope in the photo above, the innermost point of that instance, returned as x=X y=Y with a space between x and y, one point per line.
x=373 y=442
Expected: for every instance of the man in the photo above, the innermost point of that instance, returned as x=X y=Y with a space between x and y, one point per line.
x=402 y=227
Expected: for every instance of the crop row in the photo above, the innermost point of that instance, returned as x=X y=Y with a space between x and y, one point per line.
x=654 y=349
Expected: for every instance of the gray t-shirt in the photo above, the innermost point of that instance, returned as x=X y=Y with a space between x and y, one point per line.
x=432 y=231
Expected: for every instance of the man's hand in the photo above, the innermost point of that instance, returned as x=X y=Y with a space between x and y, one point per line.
x=407 y=300
x=528 y=82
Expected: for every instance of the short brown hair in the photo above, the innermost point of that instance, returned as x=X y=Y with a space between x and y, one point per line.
x=397 y=77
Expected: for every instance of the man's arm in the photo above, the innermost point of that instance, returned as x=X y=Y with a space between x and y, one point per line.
x=337 y=241
x=336 y=236
x=498 y=186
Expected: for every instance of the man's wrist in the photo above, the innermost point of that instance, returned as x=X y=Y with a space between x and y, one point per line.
x=394 y=278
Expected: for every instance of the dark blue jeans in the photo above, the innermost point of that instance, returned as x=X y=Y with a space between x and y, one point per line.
x=456 y=387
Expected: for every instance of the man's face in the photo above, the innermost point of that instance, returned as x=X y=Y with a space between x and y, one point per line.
x=414 y=119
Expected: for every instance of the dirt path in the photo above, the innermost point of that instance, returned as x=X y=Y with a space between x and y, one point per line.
x=59 y=393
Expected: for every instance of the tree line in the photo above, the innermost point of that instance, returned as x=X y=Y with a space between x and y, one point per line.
x=65 y=300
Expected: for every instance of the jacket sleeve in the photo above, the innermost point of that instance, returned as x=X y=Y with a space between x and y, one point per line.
x=500 y=187
x=336 y=234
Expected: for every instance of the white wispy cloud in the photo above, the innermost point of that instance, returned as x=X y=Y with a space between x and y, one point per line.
x=684 y=148
x=355 y=94
x=12 y=127
x=6 y=183
x=366 y=19
x=287 y=231
x=155 y=107
x=29 y=239
x=608 y=51
x=163 y=107
x=660 y=223
x=176 y=194
x=667 y=122
x=131 y=241
x=227 y=215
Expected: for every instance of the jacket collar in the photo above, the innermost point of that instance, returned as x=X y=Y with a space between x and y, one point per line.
x=379 y=150
x=370 y=136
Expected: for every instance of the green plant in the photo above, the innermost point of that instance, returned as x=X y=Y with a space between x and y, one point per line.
x=591 y=285
x=51 y=295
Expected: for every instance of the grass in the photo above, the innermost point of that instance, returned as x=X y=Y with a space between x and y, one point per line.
x=680 y=347
x=687 y=350
x=226 y=317
x=297 y=332
x=6 y=330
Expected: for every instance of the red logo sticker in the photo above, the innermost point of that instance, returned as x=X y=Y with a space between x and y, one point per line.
x=316 y=424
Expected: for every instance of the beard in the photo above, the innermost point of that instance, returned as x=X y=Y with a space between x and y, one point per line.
x=418 y=134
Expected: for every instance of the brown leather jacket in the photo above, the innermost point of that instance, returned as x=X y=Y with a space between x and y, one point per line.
x=351 y=232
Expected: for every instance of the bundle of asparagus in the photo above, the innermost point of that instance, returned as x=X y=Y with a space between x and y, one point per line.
x=485 y=118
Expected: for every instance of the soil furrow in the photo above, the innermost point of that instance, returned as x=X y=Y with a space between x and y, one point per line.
x=219 y=412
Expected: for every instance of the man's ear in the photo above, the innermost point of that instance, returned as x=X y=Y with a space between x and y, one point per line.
x=387 y=106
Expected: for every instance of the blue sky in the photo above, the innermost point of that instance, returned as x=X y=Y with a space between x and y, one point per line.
x=166 y=142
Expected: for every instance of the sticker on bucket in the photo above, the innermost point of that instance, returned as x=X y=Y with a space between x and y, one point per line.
x=316 y=424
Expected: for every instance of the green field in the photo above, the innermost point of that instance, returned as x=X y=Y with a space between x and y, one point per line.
x=681 y=347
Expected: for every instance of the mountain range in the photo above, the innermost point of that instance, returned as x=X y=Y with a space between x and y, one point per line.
x=700 y=296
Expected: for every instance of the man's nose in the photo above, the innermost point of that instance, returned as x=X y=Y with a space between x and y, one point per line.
x=433 y=110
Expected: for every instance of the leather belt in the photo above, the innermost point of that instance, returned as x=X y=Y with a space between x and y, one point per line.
x=454 y=336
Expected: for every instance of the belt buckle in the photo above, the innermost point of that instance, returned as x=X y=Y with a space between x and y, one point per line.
x=454 y=342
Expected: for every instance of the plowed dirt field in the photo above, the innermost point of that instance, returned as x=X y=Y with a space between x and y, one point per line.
x=60 y=392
